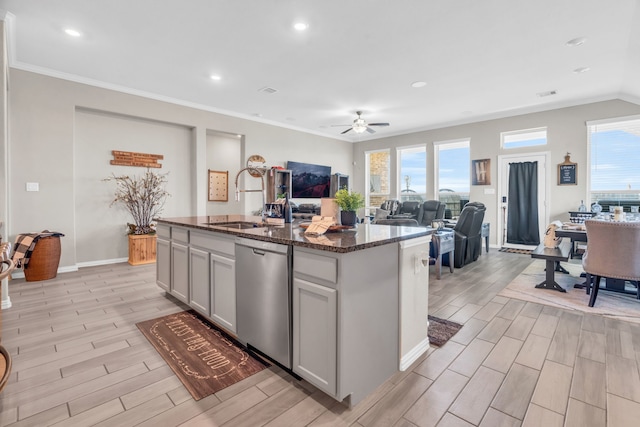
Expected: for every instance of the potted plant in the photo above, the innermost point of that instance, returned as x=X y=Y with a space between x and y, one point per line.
x=143 y=197
x=349 y=202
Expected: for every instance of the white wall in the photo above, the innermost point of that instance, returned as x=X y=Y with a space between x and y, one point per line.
x=224 y=153
x=96 y=135
x=566 y=132
x=63 y=150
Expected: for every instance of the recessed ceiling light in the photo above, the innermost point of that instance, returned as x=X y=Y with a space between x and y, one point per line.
x=300 y=26
x=73 y=33
x=418 y=84
x=215 y=77
x=581 y=70
x=576 y=42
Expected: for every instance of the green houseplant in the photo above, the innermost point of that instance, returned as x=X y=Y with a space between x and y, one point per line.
x=349 y=202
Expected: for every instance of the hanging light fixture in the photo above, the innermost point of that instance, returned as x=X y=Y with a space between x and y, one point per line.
x=359 y=125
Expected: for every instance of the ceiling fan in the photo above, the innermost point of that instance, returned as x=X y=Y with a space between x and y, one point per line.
x=360 y=125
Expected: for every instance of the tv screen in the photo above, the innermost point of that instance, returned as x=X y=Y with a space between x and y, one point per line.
x=309 y=181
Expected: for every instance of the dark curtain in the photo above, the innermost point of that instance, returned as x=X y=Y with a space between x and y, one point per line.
x=522 y=205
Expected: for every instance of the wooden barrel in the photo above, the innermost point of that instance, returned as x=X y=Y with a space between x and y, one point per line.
x=44 y=260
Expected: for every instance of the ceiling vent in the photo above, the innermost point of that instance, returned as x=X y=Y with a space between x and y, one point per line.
x=548 y=93
x=268 y=90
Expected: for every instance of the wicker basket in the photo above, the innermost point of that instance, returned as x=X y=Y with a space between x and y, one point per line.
x=44 y=260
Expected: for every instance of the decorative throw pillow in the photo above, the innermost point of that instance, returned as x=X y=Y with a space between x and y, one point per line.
x=381 y=214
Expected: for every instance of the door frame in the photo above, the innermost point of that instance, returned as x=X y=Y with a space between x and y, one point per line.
x=503 y=163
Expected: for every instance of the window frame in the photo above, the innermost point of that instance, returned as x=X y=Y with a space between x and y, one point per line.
x=589 y=124
x=520 y=132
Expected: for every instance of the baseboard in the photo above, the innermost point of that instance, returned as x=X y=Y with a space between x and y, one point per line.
x=19 y=274
x=417 y=351
x=100 y=262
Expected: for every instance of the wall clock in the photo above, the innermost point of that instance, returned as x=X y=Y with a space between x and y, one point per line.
x=218 y=186
x=256 y=161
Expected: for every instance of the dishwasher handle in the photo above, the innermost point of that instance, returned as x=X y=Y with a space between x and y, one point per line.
x=258 y=252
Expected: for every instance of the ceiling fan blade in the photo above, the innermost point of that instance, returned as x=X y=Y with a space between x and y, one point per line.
x=342 y=133
x=370 y=130
x=378 y=124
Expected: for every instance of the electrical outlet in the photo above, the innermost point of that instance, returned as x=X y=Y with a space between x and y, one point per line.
x=33 y=186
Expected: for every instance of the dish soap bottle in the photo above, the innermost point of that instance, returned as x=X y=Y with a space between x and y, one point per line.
x=287 y=214
x=582 y=207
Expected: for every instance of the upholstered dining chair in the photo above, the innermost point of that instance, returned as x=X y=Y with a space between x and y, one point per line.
x=613 y=250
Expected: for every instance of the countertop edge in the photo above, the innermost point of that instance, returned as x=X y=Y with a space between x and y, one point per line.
x=198 y=223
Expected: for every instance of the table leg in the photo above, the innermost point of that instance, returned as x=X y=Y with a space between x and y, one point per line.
x=438 y=266
x=549 y=282
x=451 y=263
x=486 y=244
x=560 y=268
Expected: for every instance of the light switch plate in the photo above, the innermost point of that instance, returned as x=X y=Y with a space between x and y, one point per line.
x=33 y=186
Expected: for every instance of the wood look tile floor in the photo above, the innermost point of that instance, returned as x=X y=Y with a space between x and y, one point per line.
x=79 y=360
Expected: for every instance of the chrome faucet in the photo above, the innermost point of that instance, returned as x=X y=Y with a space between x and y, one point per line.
x=253 y=172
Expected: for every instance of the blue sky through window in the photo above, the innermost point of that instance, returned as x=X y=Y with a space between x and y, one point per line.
x=413 y=163
x=454 y=169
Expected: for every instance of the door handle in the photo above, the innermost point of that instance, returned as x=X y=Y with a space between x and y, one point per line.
x=258 y=252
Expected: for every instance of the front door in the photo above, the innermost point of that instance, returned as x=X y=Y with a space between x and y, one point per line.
x=543 y=212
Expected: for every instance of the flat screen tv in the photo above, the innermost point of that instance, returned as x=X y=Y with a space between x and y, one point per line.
x=309 y=181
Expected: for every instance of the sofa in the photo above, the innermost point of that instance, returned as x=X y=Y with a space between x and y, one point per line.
x=424 y=213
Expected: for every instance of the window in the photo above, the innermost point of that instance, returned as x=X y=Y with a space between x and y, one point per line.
x=453 y=174
x=524 y=138
x=378 y=174
x=412 y=169
x=614 y=157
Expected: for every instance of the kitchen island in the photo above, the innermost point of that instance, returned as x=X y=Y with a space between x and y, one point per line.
x=356 y=300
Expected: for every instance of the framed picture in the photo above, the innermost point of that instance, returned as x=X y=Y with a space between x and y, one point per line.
x=567 y=172
x=481 y=172
x=218 y=186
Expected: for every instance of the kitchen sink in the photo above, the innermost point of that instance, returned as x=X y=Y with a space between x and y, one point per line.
x=236 y=225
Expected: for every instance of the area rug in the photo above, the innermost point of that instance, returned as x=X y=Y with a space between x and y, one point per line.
x=609 y=304
x=440 y=330
x=204 y=358
x=516 y=251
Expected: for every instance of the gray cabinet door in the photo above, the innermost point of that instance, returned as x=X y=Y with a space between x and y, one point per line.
x=315 y=334
x=223 y=291
x=180 y=272
x=199 y=287
x=163 y=264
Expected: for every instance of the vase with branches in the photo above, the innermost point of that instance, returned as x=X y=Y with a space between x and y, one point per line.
x=142 y=196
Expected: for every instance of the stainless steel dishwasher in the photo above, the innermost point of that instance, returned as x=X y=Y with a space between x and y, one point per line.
x=263 y=291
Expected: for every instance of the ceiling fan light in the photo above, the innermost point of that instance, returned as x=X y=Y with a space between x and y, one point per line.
x=359 y=125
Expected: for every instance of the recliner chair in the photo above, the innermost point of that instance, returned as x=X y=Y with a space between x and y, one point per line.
x=468 y=240
x=430 y=211
x=408 y=209
x=474 y=238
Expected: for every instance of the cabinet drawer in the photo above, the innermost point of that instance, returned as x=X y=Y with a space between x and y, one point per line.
x=214 y=242
x=317 y=266
x=180 y=234
x=163 y=231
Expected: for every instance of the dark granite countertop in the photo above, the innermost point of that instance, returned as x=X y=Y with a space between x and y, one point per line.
x=363 y=236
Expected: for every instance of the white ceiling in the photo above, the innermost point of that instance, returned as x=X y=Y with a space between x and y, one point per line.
x=480 y=59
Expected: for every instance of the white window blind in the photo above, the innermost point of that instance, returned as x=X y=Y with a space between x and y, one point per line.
x=615 y=159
